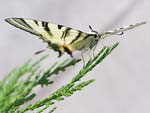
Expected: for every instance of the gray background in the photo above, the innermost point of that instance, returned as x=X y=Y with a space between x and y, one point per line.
x=122 y=79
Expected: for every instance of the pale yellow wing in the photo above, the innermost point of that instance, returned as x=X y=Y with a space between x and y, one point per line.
x=58 y=37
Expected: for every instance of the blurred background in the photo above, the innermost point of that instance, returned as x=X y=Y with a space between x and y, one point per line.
x=122 y=79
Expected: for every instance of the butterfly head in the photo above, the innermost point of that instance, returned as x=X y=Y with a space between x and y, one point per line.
x=94 y=38
x=94 y=33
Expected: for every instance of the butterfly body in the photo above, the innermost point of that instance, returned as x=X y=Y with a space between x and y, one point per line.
x=64 y=39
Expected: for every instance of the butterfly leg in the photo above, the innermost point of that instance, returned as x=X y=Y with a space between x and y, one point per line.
x=93 y=51
x=38 y=52
x=89 y=53
x=83 y=58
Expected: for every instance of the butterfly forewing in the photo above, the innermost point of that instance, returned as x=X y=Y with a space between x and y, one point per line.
x=20 y=23
x=59 y=37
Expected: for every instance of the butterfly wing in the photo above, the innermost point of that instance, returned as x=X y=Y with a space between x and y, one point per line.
x=120 y=30
x=58 y=37
x=39 y=28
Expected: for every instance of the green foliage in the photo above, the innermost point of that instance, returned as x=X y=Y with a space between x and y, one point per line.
x=15 y=90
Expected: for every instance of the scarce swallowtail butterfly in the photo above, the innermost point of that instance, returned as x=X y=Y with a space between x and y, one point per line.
x=65 y=39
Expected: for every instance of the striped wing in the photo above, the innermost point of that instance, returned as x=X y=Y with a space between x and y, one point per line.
x=59 y=37
x=120 y=30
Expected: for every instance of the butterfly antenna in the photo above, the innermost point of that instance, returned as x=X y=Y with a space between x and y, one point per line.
x=120 y=33
x=91 y=28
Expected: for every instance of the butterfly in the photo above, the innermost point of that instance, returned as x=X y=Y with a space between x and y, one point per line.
x=65 y=39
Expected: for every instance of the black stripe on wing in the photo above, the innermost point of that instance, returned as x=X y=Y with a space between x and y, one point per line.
x=36 y=22
x=65 y=33
x=22 y=24
x=60 y=26
x=76 y=38
x=45 y=25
